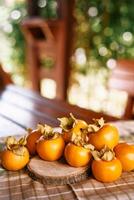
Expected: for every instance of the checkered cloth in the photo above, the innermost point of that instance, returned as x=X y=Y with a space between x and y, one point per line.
x=18 y=185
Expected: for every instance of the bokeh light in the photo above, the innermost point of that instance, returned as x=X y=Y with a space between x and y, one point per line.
x=127 y=36
x=80 y=56
x=92 y=12
x=103 y=51
x=15 y=14
x=111 y=63
x=42 y=3
x=7 y=28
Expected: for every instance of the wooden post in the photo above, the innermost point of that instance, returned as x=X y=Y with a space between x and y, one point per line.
x=65 y=48
x=32 y=7
x=58 y=34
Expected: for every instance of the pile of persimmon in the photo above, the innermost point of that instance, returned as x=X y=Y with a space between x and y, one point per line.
x=77 y=150
x=96 y=145
x=99 y=141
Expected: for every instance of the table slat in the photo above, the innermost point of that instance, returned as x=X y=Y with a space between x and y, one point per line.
x=59 y=107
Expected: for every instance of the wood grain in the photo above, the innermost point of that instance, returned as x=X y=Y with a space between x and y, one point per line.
x=22 y=108
x=56 y=108
x=57 y=172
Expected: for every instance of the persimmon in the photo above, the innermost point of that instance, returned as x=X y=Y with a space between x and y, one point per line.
x=77 y=156
x=105 y=166
x=51 y=145
x=125 y=153
x=103 y=134
x=16 y=155
x=71 y=125
x=106 y=171
x=66 y=124
x=66 y=136
x=32 y=138
x=77 y=151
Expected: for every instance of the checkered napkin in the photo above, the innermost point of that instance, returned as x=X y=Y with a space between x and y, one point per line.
x=18 y=185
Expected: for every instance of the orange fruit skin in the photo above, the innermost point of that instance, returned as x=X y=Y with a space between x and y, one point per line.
x=51 y=149
x=14 y=162
x=106 y=171
x=125 y=153
x=77 y=156
x=108 y=135
x=31 y=141
x=66 y=136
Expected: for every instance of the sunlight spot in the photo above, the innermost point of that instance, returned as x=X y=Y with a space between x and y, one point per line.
x=42 y=3
x=111 y=63
x=127 y=36
x=80 y=56
x=8 y=28
x=103 y=51
x=92 y=12
x=15 y=14
x=48 y=88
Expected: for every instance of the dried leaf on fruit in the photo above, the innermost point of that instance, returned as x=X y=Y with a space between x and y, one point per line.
x=20 y=151
x=22 y=141
x=80 y=138
x=15 y=146
x=98 y=123
x=105 y=154
x=66 y=123
x=10 y=142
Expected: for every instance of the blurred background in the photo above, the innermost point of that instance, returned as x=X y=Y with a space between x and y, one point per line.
x=84 y=40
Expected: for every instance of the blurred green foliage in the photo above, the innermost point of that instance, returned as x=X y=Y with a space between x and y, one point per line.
x=104 y=30
x=47 y=9
x=16 y=13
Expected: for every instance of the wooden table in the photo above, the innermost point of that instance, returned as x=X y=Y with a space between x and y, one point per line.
x=20 y=109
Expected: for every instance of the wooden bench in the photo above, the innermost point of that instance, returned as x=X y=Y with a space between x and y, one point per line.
x=122 y=78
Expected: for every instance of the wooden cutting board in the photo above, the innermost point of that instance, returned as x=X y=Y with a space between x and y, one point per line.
x=56 y=173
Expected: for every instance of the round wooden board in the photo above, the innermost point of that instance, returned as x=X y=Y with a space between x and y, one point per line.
x=56 y=173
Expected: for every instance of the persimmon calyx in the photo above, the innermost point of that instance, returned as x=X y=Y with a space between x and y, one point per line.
x=10 y=142
x=66 y=123
x=78 y=123
x=20 y=151
x=89 y=146
x=22 y=141
x=29 y=130
x=80 y=138
x=80 y=135
x=98 y=123
x=47 y=132
x=44 y=129
x=15 y=146
x=105 y=154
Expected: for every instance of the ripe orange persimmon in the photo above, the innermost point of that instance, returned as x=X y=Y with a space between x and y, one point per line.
x=77 y=156
x=106 y=171
x=32 y=138
x=50 y=149
x=125 y=153
x=12 y=161
x=107 y=135
x=16 y=156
